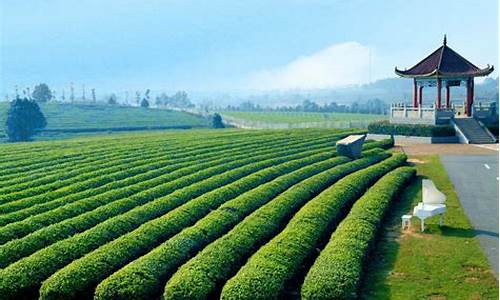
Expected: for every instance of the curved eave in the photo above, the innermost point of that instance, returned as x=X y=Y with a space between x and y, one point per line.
x=437 y=74
x=407 y=74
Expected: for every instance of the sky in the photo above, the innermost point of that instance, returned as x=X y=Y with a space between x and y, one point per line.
x=232 y=45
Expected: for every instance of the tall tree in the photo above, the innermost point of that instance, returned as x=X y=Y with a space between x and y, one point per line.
x=83 y=92
x=138 y=97
x=24 y=117
x=72 y=93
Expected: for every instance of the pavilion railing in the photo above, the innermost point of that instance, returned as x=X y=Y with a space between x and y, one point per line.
x=404 y=114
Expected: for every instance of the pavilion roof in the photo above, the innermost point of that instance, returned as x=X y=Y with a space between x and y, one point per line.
x=444 y=62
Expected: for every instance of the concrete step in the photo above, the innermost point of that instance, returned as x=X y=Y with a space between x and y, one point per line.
x=473 y=131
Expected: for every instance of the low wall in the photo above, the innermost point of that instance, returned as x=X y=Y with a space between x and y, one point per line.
x=402 y=139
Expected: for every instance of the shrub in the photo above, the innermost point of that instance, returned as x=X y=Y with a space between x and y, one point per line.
x=266 y=272
x=24 y=117
x=337 y=271
x=384 y=127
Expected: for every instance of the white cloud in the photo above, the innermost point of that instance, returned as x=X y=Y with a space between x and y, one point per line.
x=337 y=65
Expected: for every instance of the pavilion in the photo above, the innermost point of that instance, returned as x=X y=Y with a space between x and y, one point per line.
x=444 y=67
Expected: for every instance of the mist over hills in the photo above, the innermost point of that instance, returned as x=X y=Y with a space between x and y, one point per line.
x=389 y=90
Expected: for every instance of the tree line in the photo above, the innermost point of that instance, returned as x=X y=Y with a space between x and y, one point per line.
x=372 y=106
x=25 y=118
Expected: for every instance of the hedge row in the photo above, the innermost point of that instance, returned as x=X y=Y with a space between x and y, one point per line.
x=144 y=139
x=19 y=223
x=36 y=175
x=106 y=165
x=337 y=270
x=67 y=169
x=86 y=178
x=384 y=144
x=57 y=188
x=145 y=277
x=21 y=247
x=266 y=272
x=109 y=192
x=201 y=276
x=55 y=167
x=86 y=146
x=384 y=127
x=61 y=169
x=33 y=164
x=25 y=276
x=81 y=276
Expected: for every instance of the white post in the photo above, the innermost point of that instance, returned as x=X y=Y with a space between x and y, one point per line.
x=422 y=225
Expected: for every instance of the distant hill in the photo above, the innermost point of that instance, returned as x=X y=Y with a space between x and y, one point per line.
x=389 y=90
x=73 y=119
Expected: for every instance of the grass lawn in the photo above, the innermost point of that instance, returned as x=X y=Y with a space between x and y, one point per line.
x=441 y=263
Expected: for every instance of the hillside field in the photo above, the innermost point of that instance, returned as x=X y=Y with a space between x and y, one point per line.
x=68 y=120
x=301 y=119
x=192 y=215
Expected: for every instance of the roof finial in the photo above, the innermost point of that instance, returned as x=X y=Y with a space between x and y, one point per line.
x=444 y=40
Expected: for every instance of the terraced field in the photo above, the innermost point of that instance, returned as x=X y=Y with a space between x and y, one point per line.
x=230 y=214
x=69 y=120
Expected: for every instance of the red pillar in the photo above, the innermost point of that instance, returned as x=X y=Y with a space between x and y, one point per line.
x=414 y=92
x=468 y=100
x=420 y=90
x=438 y=100
x=447 y=97
x=471 y=93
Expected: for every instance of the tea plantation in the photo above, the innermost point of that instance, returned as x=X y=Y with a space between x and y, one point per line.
x=201 y=214
x=69 y=120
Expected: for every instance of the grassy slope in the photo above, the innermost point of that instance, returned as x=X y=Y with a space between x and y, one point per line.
x=302 y=117
x=80 y=116
x=441 y=263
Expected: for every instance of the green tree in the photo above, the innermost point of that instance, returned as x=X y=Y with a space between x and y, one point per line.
x=217 y=121
x=112 y=99
x=144 y=103
x=24 y=117
x=41 y=93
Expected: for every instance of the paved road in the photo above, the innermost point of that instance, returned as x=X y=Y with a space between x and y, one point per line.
x=475 y=178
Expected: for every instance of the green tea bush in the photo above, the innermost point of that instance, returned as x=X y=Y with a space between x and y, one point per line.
x=75 y=204
x=16 y=280
x=81 y=276
x=337 y=271
x=200 y=276
x=146 y=277
x=265 y=274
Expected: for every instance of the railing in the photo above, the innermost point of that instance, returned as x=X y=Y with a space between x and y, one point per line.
x=401 y=113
